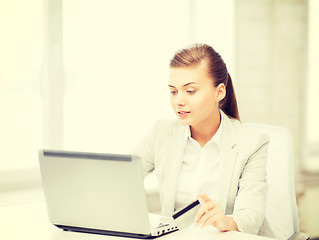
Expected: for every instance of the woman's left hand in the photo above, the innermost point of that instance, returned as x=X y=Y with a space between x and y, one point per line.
x=211 y=213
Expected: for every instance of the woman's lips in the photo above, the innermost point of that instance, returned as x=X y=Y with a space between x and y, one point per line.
x=183 y=114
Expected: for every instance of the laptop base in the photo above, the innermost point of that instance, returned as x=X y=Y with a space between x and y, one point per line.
x=104 y=232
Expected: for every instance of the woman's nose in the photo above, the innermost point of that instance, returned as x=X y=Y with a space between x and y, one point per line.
x=179 y=100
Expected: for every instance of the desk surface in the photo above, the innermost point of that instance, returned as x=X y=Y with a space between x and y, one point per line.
x=30 y=221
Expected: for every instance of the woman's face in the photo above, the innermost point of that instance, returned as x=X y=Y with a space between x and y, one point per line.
x=194 y=98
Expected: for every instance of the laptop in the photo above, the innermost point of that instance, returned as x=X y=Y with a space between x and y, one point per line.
x=99 y=193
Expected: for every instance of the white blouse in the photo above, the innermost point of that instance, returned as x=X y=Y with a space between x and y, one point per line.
x=200 y=170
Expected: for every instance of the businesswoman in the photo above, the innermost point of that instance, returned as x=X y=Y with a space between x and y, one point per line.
x=207 y=152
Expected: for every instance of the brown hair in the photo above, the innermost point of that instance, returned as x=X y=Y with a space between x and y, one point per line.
x=216 y=69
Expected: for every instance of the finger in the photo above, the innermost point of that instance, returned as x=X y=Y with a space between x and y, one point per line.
x=200 y=212
x=214 y=216
x=203 y=208
x=203 y=218
x=204 y=197
x=207 y=216
x=211 y=221
x=218 y=221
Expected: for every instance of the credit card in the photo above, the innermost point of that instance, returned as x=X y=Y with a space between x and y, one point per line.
x=185 y=216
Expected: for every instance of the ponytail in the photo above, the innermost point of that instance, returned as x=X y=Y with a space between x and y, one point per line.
x=229 y=104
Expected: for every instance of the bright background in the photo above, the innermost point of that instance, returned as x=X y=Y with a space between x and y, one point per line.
x=115 y=75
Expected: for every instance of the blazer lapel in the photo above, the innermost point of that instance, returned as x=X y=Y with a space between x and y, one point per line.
x=227 y=159
x=174 y=153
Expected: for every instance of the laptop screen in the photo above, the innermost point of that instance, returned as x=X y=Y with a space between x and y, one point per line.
x=93 y=190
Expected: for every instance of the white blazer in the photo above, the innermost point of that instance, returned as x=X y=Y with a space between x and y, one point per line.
x=242 y=168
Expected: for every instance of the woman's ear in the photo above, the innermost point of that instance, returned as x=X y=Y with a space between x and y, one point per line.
x=220 y=91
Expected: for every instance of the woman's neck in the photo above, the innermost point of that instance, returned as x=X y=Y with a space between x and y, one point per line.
x=204 y=131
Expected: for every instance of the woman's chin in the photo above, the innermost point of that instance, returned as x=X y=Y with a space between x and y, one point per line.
x=184 y=122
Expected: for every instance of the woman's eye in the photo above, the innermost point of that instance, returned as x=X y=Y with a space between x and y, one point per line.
x=191 y=91
x=173 y=92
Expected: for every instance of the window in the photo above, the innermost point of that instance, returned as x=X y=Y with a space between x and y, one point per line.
x=115 y=62
x=20 y=89
x=116 y=56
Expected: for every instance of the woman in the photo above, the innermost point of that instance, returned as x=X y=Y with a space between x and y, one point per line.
x=207 y=153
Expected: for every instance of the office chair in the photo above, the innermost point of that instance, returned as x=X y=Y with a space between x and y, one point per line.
x=281 y=207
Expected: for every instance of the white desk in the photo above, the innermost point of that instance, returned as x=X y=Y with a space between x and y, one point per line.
x=30 y=221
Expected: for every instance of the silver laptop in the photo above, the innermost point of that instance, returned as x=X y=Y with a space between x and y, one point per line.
x=98 y=193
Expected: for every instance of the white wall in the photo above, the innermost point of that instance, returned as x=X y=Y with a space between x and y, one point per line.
x=116 y=64
x=271 y=64
x=116 y=56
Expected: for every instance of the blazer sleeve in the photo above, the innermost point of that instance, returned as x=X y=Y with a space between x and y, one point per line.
x=249 y=207
x=145 y=150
